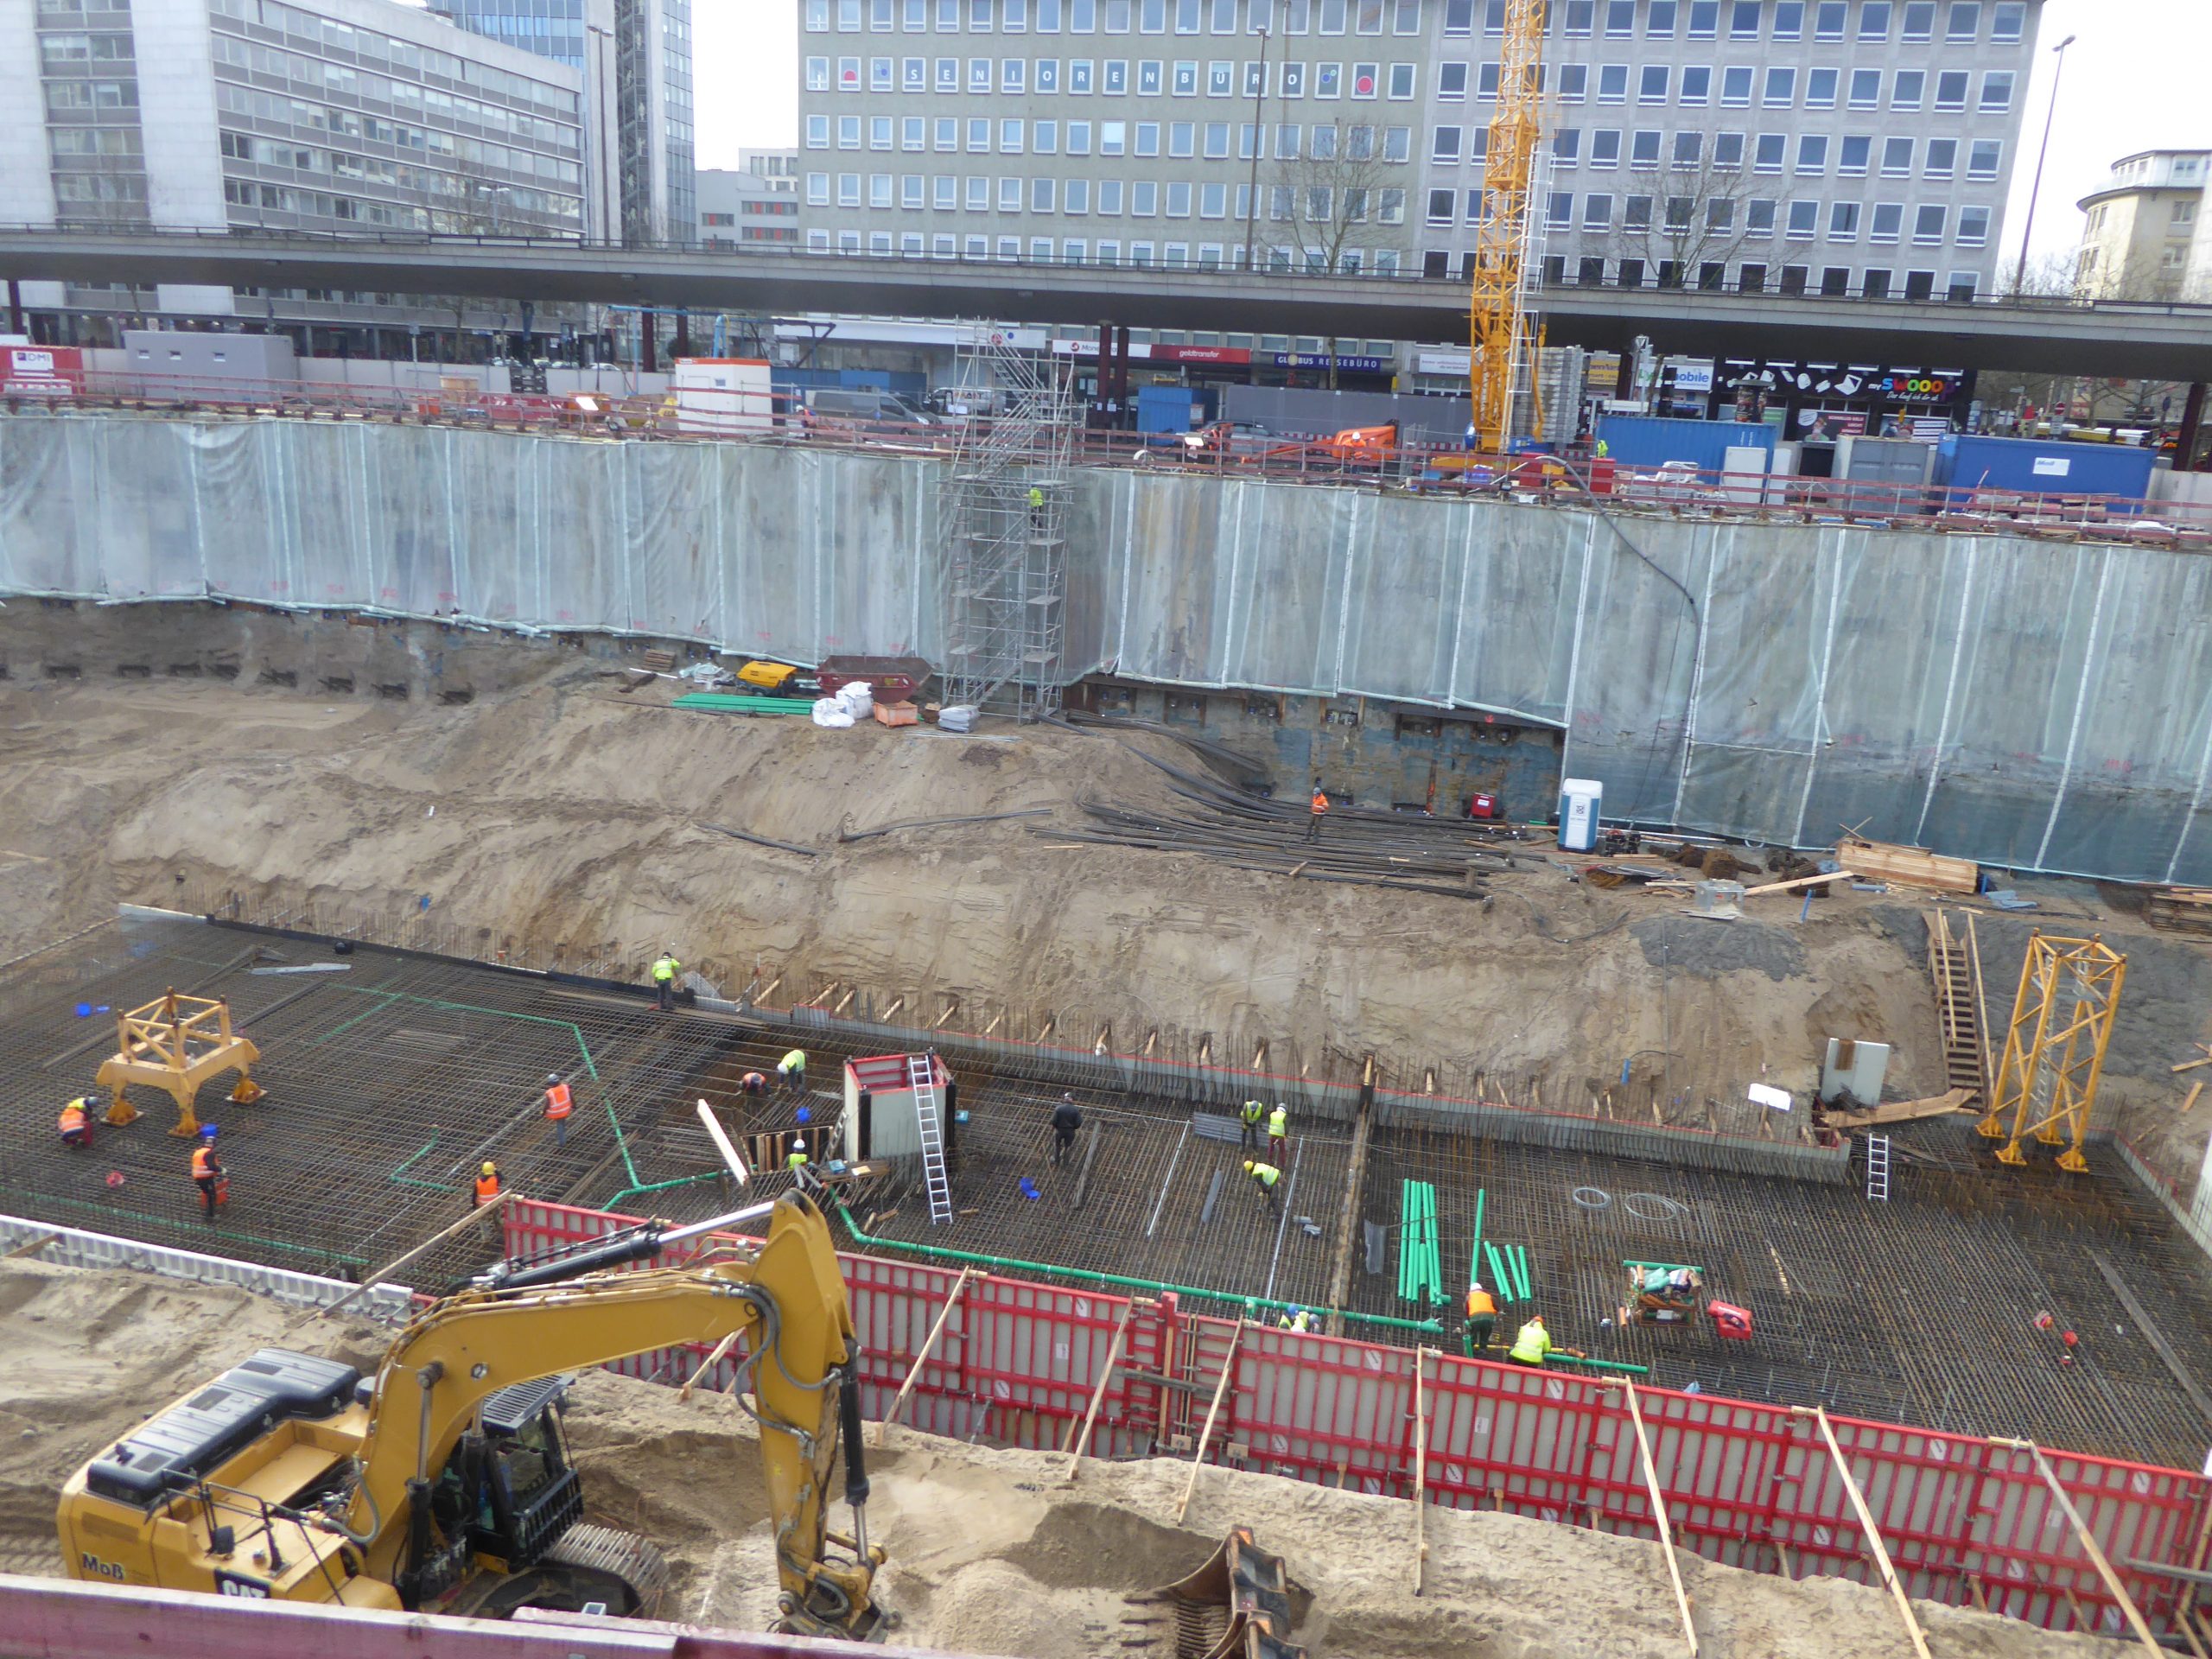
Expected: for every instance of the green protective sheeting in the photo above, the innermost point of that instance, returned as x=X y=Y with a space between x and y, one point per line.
x=724 y=702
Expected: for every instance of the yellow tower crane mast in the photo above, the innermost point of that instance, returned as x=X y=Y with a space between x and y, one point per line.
x=1500 y=332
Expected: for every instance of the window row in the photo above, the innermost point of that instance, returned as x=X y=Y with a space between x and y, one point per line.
x=1714 y=275
x=1739 y=85
x=1702 y=221
x=1114 y=77
x=1179 y=139
x=1081 y=251
x=1779 y=20
x=1138 y=198
x=1116 y=16
x=1752 y=20
x=1852 y=155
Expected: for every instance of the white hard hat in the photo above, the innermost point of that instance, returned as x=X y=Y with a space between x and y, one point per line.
x=798 y=1143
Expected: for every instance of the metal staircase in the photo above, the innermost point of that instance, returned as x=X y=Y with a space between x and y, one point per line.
x=1878 y=1168
x=1955 y=964
x=921 y=1078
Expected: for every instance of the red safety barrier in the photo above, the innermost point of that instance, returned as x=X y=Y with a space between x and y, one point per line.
x=1967 y=1521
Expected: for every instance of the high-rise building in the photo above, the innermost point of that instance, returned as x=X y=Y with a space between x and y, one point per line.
x=333 y=116
x=635 y=56
x=2141 y=228
x=1819 y=146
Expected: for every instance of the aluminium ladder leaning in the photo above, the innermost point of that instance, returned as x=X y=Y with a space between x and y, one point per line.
x=921 y=1078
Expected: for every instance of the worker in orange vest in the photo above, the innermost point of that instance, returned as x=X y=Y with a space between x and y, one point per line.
x=207 y=1173
x=487 y=1184
x=1320 y=811
x=1482 y=1319
x=76 y=1123
x=559 y=1103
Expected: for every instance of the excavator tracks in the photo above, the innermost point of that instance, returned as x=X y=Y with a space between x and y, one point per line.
x=587 y=1551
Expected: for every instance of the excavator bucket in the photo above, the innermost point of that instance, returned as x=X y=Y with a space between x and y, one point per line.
x=1235 y=1606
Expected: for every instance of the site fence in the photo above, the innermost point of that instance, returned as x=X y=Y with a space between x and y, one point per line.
x=1967 y=1521
x=1373 y=456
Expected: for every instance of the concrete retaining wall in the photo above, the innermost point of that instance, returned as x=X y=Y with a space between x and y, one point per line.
x=2036 y=705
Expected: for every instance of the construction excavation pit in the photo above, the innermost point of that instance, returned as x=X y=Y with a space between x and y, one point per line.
x=1039 y=1112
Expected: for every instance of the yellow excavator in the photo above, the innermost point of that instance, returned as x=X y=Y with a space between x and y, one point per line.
x=444 y=1483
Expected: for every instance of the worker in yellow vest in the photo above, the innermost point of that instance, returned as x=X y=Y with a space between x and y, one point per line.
x=1266 y=1176
x=1534 y=1344
x=790 y=1072
x=666 y=968
x=1279 y=1133
x=1247 y=1121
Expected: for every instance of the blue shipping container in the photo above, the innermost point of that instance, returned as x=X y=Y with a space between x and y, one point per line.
x=1648 y=441
x=1967 y=463
x=1166 y=409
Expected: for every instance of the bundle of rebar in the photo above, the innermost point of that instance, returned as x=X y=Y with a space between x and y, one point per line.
x=1407 y=851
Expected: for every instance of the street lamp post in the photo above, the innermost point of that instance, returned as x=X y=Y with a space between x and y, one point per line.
x=1259 y=137
x=2020 y=270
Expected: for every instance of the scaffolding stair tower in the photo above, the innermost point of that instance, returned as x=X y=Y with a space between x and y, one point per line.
x=929 y=1106
x=1003 y=509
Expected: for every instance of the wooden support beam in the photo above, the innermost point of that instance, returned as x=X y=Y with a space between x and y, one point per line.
x=1075 y=1450
x=1348 y=1220
x=2190 y=1103
x=721 y=1352
x=1881 y=1553
x=1659 y=1515
x=914 y=1371
x=1802 y=882
x=1220 y=1390
x=2088 y=1543
x=30 y=1247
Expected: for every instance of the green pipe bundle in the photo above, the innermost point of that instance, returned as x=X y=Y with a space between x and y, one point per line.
x=1421 y=1264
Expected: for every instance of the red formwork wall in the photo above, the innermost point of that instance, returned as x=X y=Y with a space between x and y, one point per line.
x=1967 y=1521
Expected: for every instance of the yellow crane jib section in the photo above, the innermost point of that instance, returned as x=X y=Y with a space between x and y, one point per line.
x=175 y=1043
x=1499 y=332
x=2054 y=1047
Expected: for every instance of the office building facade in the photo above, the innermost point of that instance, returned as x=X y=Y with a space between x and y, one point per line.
x=1835 y=147
x=635 y=58
x=2139 y=232
x=1838 y=146
x=777 y=168
x=335 y=116
x=1147 y=132
x=740 y=209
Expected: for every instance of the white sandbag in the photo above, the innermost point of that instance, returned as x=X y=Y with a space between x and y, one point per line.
x=828 y=706
x=836 y=720
x=859 y=698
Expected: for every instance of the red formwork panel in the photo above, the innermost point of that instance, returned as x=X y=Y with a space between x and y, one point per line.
x=1967 y=1521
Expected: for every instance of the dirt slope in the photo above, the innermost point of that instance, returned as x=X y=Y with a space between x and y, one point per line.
x=992 y=1551
x=549 y=807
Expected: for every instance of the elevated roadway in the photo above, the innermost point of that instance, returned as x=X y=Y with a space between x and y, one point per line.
x=2117 y=340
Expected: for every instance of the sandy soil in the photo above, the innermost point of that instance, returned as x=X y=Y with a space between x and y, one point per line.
x=549 y=808
x=992 y=1551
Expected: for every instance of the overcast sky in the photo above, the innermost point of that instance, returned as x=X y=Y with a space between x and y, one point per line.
x=2139 y=77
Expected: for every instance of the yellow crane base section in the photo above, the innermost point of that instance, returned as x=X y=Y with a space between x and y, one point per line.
x=176 y=1044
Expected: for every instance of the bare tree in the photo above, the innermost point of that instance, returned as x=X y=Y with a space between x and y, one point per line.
x=1338 y=201
x=2058 y=399
x=1685 y=218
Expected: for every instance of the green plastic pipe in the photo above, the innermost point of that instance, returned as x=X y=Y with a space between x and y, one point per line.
x=1475 y=1253
x=400 y=1177
x=1521 y=1271
x=1557 y=1358
x=1011 y=1264
x=1498 y=1276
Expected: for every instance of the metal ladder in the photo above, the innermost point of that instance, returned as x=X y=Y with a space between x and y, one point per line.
x=1878 y=1168
x=921 y=1078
